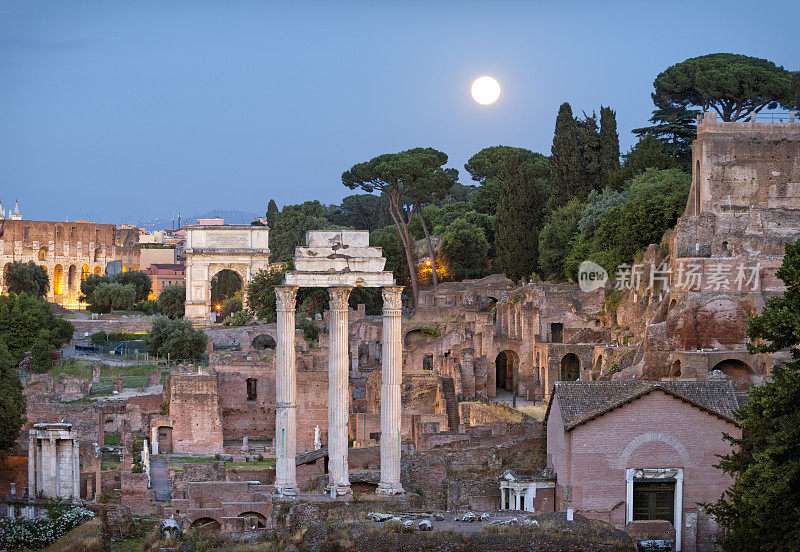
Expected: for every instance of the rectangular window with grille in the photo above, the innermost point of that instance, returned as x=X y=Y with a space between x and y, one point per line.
x=654 y=500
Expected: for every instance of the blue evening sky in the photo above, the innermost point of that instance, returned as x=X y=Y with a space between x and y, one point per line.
x=118 y=111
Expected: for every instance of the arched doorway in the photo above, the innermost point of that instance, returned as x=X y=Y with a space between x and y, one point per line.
x=253 y=521
x=58 y=280
x=735 y=369
x=72 y=278
x=570 y=367
x=504 y=364
x=85 y=271
x=207 y=525
x=98 y=270
x=42 y=253
x=226 y=292
x=165 y=439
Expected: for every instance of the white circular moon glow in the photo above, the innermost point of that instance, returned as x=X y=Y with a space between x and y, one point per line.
x=485 y=90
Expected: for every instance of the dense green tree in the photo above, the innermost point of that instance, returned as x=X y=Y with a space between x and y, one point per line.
x=567 y=180
x=388 y=239
x=113 y=295
x=520 y=215
x=291 y=226
x=759 y=512
x=490 y=167
x=427 y=182
x=556 y=239
x=12 y=402
x=647 y=153
x=675 y=126
x=362 y=212
x=27 y=278
x=733 y=85
x=22 y=317
x=176 y=338
x=261 y=293
x=597 y=205
x=272 y=214
x=139 y=280
x=408 y=179
x=609 y=145
x=655 y=201
x=591 y=154
x=171 y=301
x=89 y=284
x=42 y=352
x=464 y=250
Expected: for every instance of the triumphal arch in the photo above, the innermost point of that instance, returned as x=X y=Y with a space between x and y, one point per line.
x=243 y=249
x=339 y=261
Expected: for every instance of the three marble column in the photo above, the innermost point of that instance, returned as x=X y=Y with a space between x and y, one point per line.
x=338 y=392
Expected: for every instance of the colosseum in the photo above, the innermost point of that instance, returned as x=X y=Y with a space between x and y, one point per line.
x=69 y=252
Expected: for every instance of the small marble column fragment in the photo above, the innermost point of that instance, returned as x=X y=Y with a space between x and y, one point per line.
x=285 y=393
x=391 y=378
x=338 y=391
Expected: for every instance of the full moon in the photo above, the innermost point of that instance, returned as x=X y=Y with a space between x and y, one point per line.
x=485 y=90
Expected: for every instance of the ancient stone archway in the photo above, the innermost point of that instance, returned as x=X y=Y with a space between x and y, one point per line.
x=254 y=520
x=506 y=363
x=736 y=369
x=211 y=249
x=207 y=525
x=570 y=367
x=58 y=280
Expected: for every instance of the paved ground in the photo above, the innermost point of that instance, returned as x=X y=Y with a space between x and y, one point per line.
x=505 y=397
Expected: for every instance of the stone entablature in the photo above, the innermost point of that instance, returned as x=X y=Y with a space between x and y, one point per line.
x=209 y=249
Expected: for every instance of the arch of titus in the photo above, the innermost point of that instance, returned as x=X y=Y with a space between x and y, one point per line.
x=243 y=249
x=340 y=261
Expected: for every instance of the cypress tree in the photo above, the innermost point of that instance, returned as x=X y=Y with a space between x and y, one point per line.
x=272 y=213
x=566 y=167
x=519 y=216
x=12 y=403
x=589 y=144
x=609 y=144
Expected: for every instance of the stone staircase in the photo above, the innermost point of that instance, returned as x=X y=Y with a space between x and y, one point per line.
x=159 y=479
x=451 y=403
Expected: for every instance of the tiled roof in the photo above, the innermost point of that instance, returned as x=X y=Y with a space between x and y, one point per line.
x=581 y=401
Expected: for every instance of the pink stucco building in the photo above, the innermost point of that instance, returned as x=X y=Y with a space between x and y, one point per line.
x=633 y=450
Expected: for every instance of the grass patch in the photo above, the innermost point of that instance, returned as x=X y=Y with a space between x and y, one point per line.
x=84 y=538
x=537 y=412
x=107 y=464
x=83 y=369
x=112 y=439
x=265 y=464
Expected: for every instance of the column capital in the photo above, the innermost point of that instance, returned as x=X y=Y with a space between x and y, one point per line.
x=392 y=298
x=285 y=297
x=339 y=296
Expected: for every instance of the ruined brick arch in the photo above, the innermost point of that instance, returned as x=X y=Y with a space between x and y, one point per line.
x=85 y=271
x=206 y=523
x=570 y=367
x=651 y=437
x=98 y=269
x=96 y=256
x=263 y=341
x=42 y=253
x=736 y=369
x=255 y=520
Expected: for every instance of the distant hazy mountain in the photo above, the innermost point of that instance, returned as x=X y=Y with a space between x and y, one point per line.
x=231 y=217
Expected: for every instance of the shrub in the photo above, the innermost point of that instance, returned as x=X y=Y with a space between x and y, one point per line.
x=17 y=533
x=310 y=329
x=241 y=318
x=176 y=338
